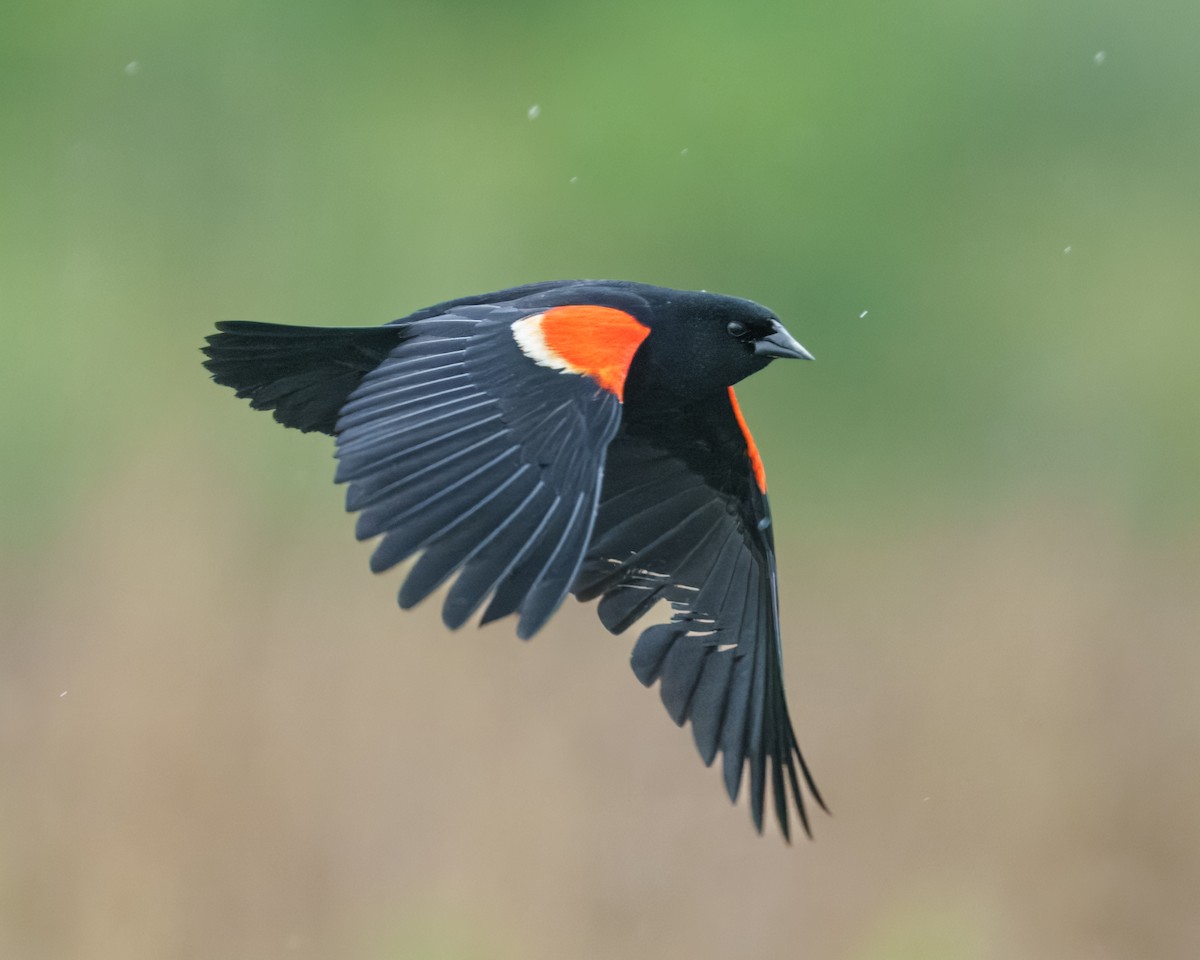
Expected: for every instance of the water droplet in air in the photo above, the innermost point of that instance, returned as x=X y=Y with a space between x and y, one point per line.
x=683 y=152
x=533 y=112
x=132 y=67
x=863 y=314
x=1099 y=58
x=1067 y=248
x=573 y=180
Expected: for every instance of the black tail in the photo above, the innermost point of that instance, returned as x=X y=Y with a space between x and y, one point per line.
x=303 y=374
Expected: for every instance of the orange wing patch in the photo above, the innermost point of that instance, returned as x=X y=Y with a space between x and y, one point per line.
x=760 y=475
x=597 y=341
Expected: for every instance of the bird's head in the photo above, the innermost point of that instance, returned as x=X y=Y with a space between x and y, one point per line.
x=699 y=341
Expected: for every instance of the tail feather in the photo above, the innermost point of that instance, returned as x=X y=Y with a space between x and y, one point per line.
x=304 y=375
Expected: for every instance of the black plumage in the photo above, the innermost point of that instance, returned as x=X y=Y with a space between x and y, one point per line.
x=618 y=470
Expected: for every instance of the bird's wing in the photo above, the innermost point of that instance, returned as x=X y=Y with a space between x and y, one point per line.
x=463 y=446
x=684 y=517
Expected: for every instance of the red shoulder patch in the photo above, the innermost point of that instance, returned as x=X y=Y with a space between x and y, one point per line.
x=587 y=339
x=760 y=474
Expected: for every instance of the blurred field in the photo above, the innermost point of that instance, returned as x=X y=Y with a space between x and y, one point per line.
x=220 y=739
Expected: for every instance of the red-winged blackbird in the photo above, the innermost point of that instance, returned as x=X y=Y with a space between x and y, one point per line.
x=566 y=437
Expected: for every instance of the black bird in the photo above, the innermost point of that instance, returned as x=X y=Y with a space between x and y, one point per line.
x=566 y=437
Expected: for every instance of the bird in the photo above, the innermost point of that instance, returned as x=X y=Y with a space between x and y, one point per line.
x=567 y=437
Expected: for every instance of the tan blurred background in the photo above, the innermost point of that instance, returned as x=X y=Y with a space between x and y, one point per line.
x=219 y=737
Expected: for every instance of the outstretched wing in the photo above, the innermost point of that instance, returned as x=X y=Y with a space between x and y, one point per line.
x=684 y=517
x=488 y=461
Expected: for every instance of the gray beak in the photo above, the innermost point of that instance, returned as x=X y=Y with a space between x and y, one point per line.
x=781 y=344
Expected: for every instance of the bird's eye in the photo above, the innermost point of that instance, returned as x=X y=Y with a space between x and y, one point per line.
x=735 y=328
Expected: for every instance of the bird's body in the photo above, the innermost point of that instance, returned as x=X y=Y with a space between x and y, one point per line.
x=566 y=437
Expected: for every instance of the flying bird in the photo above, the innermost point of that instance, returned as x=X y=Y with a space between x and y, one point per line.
x=567 y=437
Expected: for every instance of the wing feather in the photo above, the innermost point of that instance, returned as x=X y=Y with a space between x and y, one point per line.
x=462 y=449
x=681 y=519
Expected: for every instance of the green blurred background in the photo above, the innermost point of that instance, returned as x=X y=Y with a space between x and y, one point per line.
x=220 y=738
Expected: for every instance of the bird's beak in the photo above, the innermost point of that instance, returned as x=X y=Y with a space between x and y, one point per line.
x=780 y=343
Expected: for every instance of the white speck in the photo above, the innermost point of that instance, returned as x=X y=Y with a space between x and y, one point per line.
x=533 y=112
x=863 y=314
x=683 y=152
x=573 y=180
x=132 y=67
x=1099 y=58
x=1067 y=248
x=63 y=694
